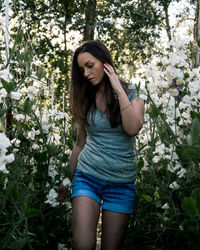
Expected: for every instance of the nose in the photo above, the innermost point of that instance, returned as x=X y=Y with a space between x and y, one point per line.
x=86 y=72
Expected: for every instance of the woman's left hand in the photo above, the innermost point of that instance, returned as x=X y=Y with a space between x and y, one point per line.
x=116 y=85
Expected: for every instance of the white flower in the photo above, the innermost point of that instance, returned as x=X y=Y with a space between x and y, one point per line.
x=3 y=94
x=32 y=92
x=1 y=20
x=187 y=99
x=164 y=84
x=15 y=95
x=33 y=133
x=181 y=173
x=16 y=142
x=66 y=182
x=174 y=185
x=186 y=115
x=156 y=159
x=175 y=72
x=165 y=206
x=57 y=138
x=62 y=247
x=196 y=72
x=19 y=117
x=5 y=74
x=3 y=168
x=174 y=156
x=4 y=159
x=144 y=97
x=164 y=60
x=179 y=43
x=9 y=158
x=5 y=183
x=53 y=174
x=68 y=151
x=37 y=113
x=52 y=198
x=45 y=128
x=160 y=149
x=182 y=105
x=4 y=143
x=174 y=92
x=194 y=87
x=181 y=227
x=35 y=146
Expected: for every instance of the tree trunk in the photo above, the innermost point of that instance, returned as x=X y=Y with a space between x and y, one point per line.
x=167 y=25
x=90 y=19
x=9 y=119
x=197 y=32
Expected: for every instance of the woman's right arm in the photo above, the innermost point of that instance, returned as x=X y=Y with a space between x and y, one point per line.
x=78 y=146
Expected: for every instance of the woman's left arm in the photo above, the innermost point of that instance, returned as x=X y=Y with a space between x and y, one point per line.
x=132 y=112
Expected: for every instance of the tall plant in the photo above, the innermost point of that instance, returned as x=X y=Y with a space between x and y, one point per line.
x=33 y=163
x=167 y=212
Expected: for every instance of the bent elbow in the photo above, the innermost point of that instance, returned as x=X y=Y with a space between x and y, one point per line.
x=135 y=130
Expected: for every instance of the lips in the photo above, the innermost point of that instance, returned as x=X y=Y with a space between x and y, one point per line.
x=90 y=79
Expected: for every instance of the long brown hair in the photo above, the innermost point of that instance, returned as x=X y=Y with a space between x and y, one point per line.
x=82 y=92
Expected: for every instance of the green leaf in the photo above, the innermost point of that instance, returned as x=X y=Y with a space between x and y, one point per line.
x=19 y=36
x=33 y=212
x=8 y=86
x=197 y=198
x=140 y=163
x=41 y=73
x=2 y=112
x=28 y=106
x=156 y=194
x=53 y=150
x=154 y=110
x=189 y=153
x=147 y=198
x=19 y=243
x=27 y=68
x=189 y=206
x=194 y=114
x=195 y=131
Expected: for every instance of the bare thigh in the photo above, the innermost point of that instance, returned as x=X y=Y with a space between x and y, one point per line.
x=114 y=227
x=85 y=216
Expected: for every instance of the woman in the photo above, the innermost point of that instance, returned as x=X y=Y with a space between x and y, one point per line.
x=108 y=116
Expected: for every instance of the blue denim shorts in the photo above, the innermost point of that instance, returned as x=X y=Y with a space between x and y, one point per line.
x=117 y=197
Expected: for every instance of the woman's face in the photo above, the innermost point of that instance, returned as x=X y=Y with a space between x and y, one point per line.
x=92 y=68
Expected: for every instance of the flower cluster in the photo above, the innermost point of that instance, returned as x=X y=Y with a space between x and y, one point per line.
x=4 y=158
x=171 y=89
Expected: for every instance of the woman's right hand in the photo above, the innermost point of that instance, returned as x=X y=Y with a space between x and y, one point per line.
x=62 y=193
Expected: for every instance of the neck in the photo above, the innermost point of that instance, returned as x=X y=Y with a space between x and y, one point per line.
x=101 y=88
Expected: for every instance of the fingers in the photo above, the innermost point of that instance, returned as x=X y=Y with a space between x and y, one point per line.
x=62 y=191
x=108 y=69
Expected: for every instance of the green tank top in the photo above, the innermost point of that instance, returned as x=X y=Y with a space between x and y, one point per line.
x=109 y=152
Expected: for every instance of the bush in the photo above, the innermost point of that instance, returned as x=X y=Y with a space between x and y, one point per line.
x=167 y=209
x=34 y=155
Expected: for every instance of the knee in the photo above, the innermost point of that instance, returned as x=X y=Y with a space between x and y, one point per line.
x=84 y=244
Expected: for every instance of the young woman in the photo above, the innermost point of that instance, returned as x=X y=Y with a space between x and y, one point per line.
x=108 y=116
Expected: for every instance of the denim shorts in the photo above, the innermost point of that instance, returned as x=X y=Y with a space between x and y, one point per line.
x=117 y=197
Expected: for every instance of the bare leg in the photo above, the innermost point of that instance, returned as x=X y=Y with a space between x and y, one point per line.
x=85 y=216
x=114 y=227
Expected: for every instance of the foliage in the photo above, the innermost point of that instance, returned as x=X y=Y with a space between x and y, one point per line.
x=37 y=138
x=34 y=160
x=168 y=195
